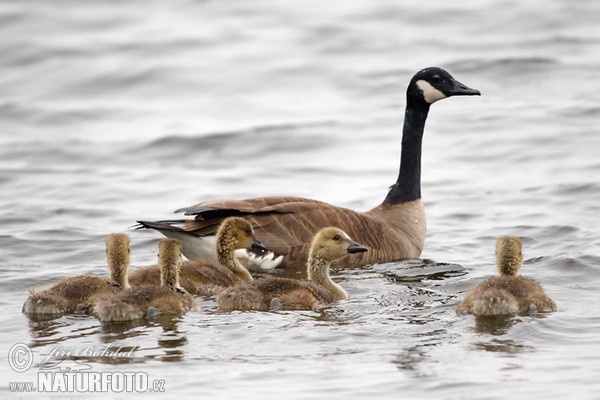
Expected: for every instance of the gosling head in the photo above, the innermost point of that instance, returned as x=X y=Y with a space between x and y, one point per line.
x=432 y=84
x=237 y=233
x=333 y=243
x=118 y=257
x=169 y=262
x=508 y=255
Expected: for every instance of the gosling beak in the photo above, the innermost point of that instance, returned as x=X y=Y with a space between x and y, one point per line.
x=257 y=244
x=354 y=247
x=463 y=90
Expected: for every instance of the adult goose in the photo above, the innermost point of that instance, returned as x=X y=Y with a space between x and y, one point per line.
x=394 y=230
x=509 y=293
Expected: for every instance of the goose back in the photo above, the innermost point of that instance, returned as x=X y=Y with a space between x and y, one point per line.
x=286 y=225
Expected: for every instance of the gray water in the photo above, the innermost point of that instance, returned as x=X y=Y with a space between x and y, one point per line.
x=116 y=111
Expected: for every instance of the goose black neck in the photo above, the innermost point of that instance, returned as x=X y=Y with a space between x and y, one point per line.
x=408 y=186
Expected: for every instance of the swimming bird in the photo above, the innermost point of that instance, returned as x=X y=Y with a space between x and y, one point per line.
x=147 y=301
x=206 y=277
x=318 y=291
x=508 y=293
x=394 y=230
x=77 y=293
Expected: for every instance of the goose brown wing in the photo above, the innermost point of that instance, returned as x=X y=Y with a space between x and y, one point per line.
x=285 y=225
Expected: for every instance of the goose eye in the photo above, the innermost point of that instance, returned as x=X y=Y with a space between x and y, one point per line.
x=435 y=78
x=336 y=238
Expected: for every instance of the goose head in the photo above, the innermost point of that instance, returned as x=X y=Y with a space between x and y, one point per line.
x=118 y=257
x=333 y=243
x=169 y=262
x=237 y=233
x=508 y=255
x=433 y=83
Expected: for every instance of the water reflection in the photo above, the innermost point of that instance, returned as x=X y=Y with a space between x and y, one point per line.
x=52 y=338
x=44 y=328
x=507 y=346
x=495 y=325
x=57 y=330
x=499 y=326
x=171 y=340
x=410 y=358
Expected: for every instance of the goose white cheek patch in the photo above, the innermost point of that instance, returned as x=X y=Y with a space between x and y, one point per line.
x=430 y=94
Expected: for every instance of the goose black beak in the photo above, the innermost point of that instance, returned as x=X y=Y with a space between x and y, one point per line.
x=463 y=90
x=354 y=247
x=257 y=244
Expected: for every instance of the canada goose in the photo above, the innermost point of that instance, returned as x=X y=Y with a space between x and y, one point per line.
x=394 y=230
x=292 y=294
x=166 y=298
x=508 y=293
x=77 y=293
x=205 y=277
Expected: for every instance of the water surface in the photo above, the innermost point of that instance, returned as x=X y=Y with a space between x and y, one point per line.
x=118 y=111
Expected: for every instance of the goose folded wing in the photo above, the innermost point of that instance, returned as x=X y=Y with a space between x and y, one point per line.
x=285 y=225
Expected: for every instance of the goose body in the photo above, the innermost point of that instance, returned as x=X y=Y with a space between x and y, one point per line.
x=162 y=298
x=78 y=293
x=318 y=291
x=394 y=230
x=509 y=293
x=206 y=277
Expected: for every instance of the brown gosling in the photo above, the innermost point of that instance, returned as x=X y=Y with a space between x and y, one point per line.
x=77 y=293
x=509 y=293
x=328 y=245
x=205 y=277
x=148 y=301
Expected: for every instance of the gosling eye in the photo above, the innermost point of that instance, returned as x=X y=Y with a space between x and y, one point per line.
x=247 y=231
x=337 y=238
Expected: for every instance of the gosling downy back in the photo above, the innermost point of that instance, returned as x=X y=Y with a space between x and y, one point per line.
x=77 y=293
x=394 y=230
x=147 y=301
x=509 y=293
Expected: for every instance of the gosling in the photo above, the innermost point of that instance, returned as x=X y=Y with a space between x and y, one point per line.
x=328 y=245
x=149 y=301
x=77 y=293
x=205 y=277
x=509 y=293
